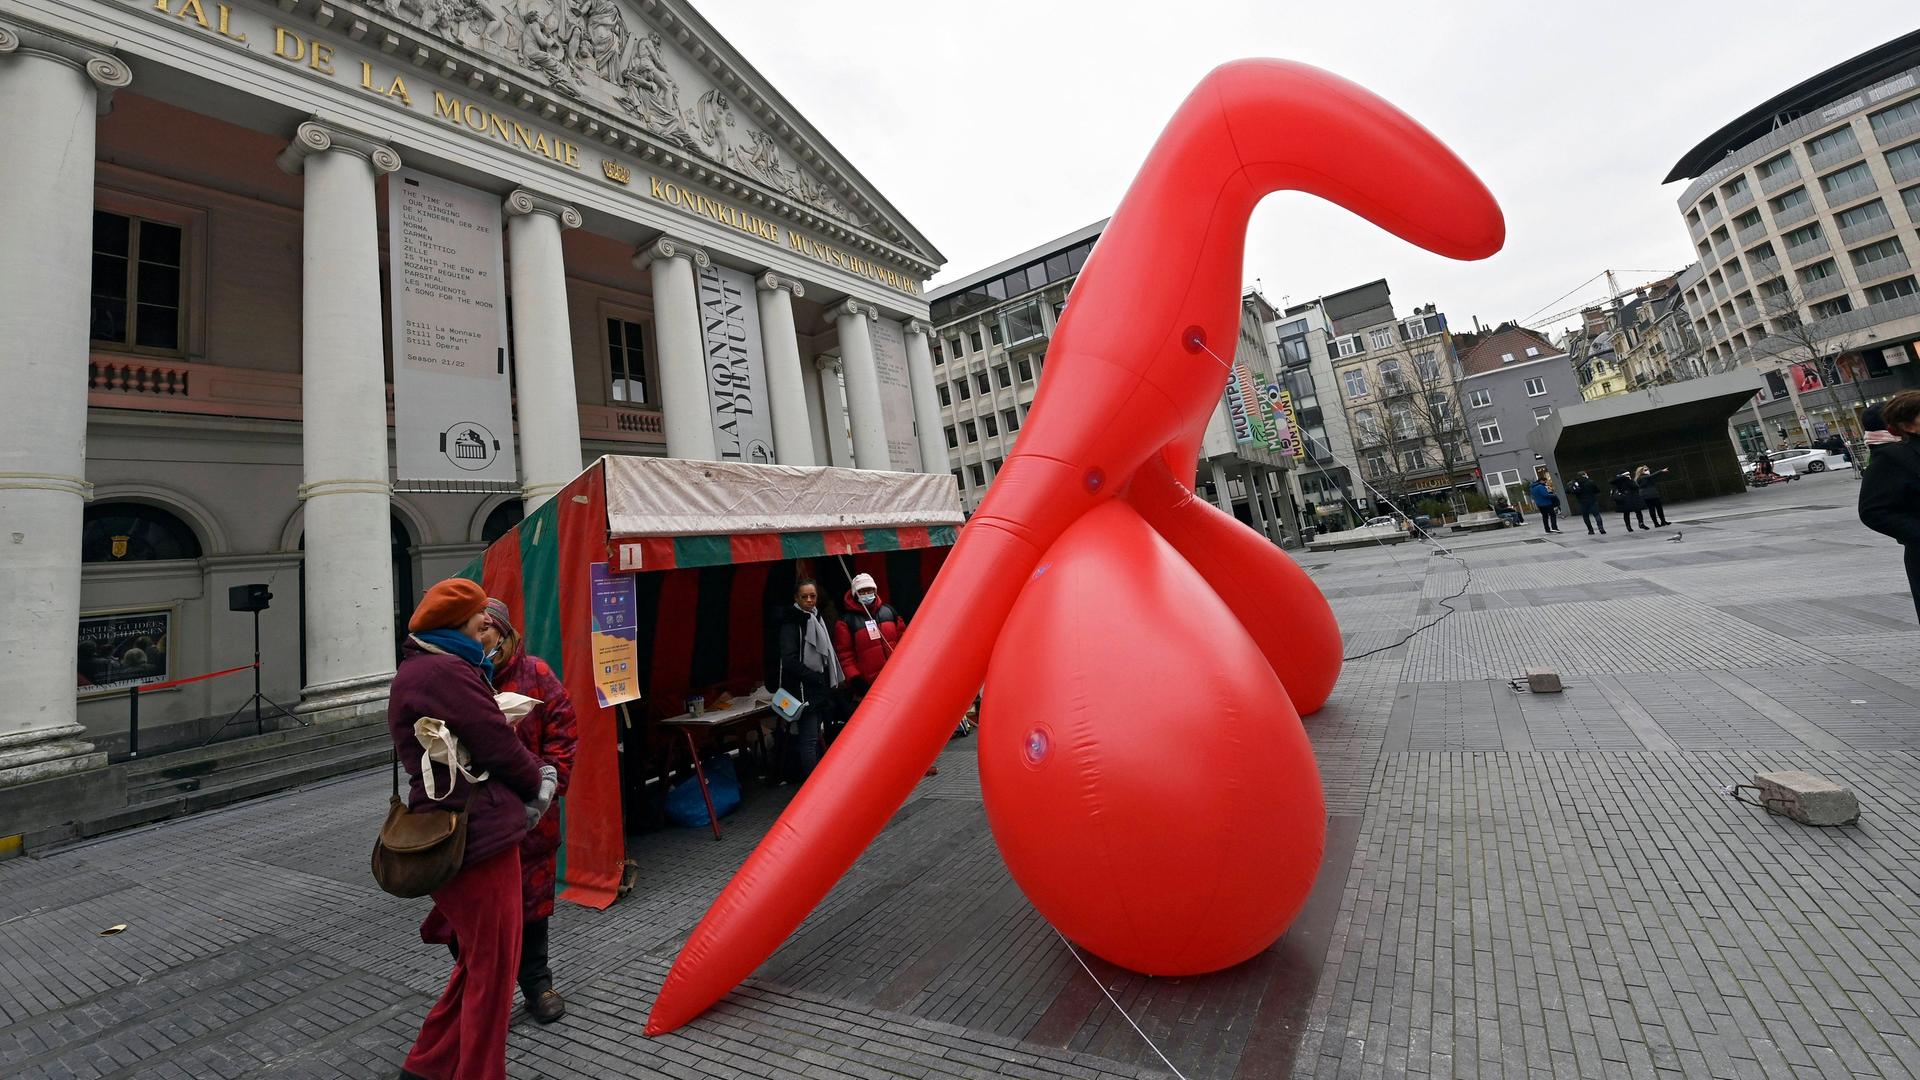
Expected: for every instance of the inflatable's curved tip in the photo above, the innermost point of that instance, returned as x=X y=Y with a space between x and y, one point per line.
x=1486 y=236
x=658 y=1024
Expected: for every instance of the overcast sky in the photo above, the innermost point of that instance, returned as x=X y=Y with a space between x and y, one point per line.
x=997 y=126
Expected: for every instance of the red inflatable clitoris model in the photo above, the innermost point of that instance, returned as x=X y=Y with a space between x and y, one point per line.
x=1145 y=656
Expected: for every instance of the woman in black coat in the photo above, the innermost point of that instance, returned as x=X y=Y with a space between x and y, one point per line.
x=1626 y=499
x=1648 y=482
x=807 y=666
x=1890 y=487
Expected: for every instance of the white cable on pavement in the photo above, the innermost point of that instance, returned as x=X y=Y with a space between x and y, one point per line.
x=1116 y=1005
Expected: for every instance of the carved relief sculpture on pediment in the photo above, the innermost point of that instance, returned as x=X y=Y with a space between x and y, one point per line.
x=590 y=50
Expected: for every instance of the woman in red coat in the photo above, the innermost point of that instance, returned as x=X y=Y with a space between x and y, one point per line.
x=443 y=674
x=548 y=733
x=865 y=636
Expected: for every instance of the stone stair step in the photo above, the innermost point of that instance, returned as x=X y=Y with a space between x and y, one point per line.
x=354 y=758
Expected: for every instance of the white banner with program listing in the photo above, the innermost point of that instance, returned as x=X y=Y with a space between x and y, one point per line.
x=452 y=407
x=896 y=395
x=736 y=366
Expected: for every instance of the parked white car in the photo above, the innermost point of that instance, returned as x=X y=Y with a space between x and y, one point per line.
x=1803 y=459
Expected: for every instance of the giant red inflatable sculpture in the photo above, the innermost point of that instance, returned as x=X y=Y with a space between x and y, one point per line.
x=1144 y=769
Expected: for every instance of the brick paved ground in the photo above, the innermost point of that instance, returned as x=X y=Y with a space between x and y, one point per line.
x=1516 y=885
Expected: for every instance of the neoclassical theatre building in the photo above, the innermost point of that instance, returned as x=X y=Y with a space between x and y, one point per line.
x=244 y=245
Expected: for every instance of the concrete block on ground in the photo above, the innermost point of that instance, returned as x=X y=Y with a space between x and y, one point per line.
x=1542 y=681
x=1808 y=799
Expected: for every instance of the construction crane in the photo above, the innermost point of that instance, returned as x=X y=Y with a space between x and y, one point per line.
x=1614 y=293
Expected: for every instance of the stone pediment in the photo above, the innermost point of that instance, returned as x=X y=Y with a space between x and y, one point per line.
x=661 y=67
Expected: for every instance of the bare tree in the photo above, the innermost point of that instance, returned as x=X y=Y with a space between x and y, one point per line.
x=1796 y=336
x=1416 y=424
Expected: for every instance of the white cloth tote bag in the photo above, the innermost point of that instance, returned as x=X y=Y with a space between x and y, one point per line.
x=438 y=743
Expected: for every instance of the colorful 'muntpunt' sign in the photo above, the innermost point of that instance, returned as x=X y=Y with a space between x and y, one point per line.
x=1146 y=657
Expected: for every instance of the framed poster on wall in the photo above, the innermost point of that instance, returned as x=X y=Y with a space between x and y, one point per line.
x=124 y=648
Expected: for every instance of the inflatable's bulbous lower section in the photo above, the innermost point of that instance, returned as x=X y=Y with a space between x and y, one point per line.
x=1182 y=828
x=1146 y=777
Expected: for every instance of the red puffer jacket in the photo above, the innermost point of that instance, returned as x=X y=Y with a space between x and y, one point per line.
x=863 y=648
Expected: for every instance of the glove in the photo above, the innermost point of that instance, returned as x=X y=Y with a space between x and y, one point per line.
x=537 y=809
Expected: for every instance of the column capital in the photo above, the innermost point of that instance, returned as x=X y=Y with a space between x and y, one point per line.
x=317 y=136
x=850 y=306
x=521 y=202
x=100 y=65
x=667 y=247
x=770 y=281
x=917 y=326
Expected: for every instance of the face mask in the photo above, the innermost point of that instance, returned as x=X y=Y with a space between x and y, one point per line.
x=867 y=597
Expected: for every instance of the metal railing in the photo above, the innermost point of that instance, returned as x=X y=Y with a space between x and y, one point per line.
x=1770 y=185
x=1826 y=286
x=1752 y=233
x=1897 y=131
x=1867 y=230
x=1740 y=200
x=1853 y=192
x=1904 y=171
x=1839 y=155
x=1875 y=269
x=1794 y=215
x=1808 y=249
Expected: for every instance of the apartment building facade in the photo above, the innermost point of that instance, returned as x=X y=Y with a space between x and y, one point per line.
x=1398 y=380
x=1805 y=214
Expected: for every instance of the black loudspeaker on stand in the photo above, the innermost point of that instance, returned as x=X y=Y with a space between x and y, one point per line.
x=256 y=599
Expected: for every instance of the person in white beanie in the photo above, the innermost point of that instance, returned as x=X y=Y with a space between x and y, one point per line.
x=865 y=636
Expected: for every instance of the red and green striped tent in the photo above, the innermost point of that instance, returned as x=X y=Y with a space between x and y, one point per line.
x=714 y=548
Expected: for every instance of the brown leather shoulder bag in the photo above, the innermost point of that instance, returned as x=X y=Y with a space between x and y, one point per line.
x=418 y=852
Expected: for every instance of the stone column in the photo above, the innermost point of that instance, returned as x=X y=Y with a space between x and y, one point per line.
x=343 y=420
x=926 y=402
x=1222 y=495
x=810 y=382
x=53 y=89
x=549 y=406
x=1248 y=474
x=1276 y=526
x=833 y=402
x=676 y=328
x=1277 y=515
x=786 y=382
x=864 y=407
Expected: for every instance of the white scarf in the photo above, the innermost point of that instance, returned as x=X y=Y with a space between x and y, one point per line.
x=816 y=648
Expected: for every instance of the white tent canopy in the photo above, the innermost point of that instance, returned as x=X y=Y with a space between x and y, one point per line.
x=678 y=497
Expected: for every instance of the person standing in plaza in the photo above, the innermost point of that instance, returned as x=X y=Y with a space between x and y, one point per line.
x=548 y=732
x=1626 y=499
x=444 y=674
x=1586 y=495
x=807 y=666
x=1873 y=423
x=1546 y=502
x=1890 y=488
x=864 y=637
x=1648 y=482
